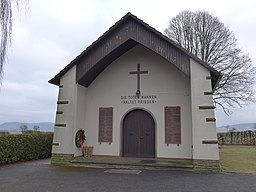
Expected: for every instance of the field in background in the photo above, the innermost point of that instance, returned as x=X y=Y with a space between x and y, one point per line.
x=238 y=158
x=237 y=138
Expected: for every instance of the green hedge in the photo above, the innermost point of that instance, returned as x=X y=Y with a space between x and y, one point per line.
x=15 y=148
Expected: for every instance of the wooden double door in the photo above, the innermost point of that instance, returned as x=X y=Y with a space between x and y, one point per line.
x=138 y=134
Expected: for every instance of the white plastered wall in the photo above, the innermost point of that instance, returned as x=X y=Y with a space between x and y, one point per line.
x=164 y=80
x=80 y=114
x=202 y=130
x=64 y=135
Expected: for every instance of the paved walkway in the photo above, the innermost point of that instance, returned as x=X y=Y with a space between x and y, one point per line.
x=40 y=176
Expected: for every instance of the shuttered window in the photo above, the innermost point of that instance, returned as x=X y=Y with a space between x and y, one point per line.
x=172 y=125
x=105 y=124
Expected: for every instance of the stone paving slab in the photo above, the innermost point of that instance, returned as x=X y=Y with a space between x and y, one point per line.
x=123 y=171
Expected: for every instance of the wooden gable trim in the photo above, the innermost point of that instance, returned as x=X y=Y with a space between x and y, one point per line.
x=126 y=36
x=121 y=37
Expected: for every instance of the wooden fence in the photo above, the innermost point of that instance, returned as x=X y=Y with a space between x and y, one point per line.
x=237 y=138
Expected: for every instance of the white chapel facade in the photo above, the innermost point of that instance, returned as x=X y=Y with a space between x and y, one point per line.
x=137 y=94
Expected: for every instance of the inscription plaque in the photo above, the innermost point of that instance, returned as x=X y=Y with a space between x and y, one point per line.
x=105 y=124
x=172 y=125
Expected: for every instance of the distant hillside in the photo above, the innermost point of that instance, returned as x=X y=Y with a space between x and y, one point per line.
x=15 y=126
x=49 y=127
x=238 y=127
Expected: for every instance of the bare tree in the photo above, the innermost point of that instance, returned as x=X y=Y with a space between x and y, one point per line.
x=23 y=128
x=209 y=39
x=6 y=13
x=36 y=128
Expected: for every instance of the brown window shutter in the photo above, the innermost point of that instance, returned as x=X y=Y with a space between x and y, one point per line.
x=172 y=125
x=105 y=124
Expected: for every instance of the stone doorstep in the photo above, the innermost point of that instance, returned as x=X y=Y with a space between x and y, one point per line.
x=128 y=167
x=152 y=164
x=135 y=163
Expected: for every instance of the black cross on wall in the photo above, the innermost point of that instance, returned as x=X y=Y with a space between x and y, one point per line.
x=138 y=73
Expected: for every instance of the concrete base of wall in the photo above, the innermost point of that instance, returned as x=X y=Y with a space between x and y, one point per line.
x=61 y=159
x=213 y=165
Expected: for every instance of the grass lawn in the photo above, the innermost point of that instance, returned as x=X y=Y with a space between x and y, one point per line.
x=238 y=158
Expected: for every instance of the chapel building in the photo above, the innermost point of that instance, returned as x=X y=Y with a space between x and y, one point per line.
x=136 y=93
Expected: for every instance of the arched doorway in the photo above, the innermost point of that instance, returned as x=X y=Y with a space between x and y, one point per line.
x=138 y=134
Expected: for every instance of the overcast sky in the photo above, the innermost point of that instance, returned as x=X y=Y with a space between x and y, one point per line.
x=54 y=32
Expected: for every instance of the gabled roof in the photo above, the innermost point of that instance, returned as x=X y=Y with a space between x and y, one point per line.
x=125 y=34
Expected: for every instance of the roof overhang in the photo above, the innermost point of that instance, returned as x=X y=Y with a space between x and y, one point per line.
x=86 y=77
x=124 y=35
